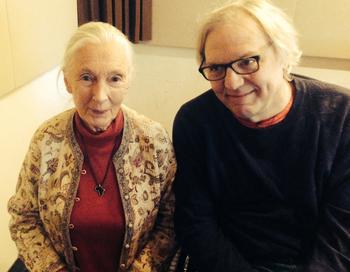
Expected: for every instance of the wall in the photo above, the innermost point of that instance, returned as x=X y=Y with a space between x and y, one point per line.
x=21 y=112
x=33 y=36
x=322 y=25
x=164 y=79
x=6 y=68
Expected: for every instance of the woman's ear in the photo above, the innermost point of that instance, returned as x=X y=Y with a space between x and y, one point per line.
x=68 y=86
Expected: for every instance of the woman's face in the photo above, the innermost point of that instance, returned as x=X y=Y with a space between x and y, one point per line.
x=98 y=78
x=255 y=96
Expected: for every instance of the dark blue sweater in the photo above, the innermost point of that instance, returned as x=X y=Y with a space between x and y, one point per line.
x=280 y=194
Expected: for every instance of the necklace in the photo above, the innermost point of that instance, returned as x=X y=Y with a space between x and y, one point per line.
x=100 y=190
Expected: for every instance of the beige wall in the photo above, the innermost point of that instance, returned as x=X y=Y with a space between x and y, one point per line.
x=164 y=79
x=323 y=25
x=21 y=112
x=6 y=68
x=33 y=36
x=174 y=23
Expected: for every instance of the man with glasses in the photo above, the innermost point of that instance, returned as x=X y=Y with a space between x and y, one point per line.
x=263 y=180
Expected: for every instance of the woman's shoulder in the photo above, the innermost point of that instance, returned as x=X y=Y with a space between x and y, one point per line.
x=56 y=125
x=140 y=123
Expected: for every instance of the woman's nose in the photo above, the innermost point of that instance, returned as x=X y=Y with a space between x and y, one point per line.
x=100 y=92
x=233 y=80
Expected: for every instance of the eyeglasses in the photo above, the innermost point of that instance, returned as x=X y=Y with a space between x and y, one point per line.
x=243 y=66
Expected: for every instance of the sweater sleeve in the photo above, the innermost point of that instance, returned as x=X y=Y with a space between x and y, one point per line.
x=26 y=228
x=196 y=224
x=160 y=247
x=331 y=248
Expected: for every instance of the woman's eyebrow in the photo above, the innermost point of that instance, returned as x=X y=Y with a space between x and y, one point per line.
x=86 y=70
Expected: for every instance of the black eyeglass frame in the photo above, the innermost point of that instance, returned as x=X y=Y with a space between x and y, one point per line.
x=229 y=65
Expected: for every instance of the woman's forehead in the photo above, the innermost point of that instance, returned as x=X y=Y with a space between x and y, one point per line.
x=109 y=49
x=110 y=55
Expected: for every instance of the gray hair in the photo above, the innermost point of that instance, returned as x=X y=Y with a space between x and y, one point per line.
x=95 y=32
x=274 y=22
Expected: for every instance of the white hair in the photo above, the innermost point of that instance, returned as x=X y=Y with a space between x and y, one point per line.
x=95 y=32
x=274 y=22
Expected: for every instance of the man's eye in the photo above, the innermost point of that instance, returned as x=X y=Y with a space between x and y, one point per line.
x=215 y=68
x=247 y=62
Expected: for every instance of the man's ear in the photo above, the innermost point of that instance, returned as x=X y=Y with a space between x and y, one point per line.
x=68 y=87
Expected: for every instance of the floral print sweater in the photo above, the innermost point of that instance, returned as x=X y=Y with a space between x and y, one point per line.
x=40 y=209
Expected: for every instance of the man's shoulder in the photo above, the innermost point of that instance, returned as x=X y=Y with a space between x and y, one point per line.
x=322 y=102
x=319 y=88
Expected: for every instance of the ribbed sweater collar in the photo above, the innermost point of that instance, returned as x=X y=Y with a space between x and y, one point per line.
x=98 y=140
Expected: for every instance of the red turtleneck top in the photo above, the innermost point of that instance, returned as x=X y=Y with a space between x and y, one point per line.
x=97 y=222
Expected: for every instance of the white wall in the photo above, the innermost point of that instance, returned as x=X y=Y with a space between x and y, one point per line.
x=323 y=25
x=164 y=79
x=21 y=112
x=33 y=36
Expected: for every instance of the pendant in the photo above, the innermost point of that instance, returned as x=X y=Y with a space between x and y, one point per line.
x=100 y=190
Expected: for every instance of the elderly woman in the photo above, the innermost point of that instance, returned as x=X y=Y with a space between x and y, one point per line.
x=263 y=180
x=94 y=192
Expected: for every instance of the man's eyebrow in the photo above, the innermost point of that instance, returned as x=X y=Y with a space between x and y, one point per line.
x=244 y=56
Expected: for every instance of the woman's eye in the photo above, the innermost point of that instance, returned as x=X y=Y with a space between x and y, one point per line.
x=116 y=78
x=86 y=77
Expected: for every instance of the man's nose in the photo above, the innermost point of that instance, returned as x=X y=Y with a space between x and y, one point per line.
x=233 y=80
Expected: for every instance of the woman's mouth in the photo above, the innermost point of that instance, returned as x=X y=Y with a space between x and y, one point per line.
x=98 y=112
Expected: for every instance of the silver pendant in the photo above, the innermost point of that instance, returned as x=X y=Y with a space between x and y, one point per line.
x=100 y=190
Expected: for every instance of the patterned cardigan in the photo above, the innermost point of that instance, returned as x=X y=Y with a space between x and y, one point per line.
x=40 y=209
